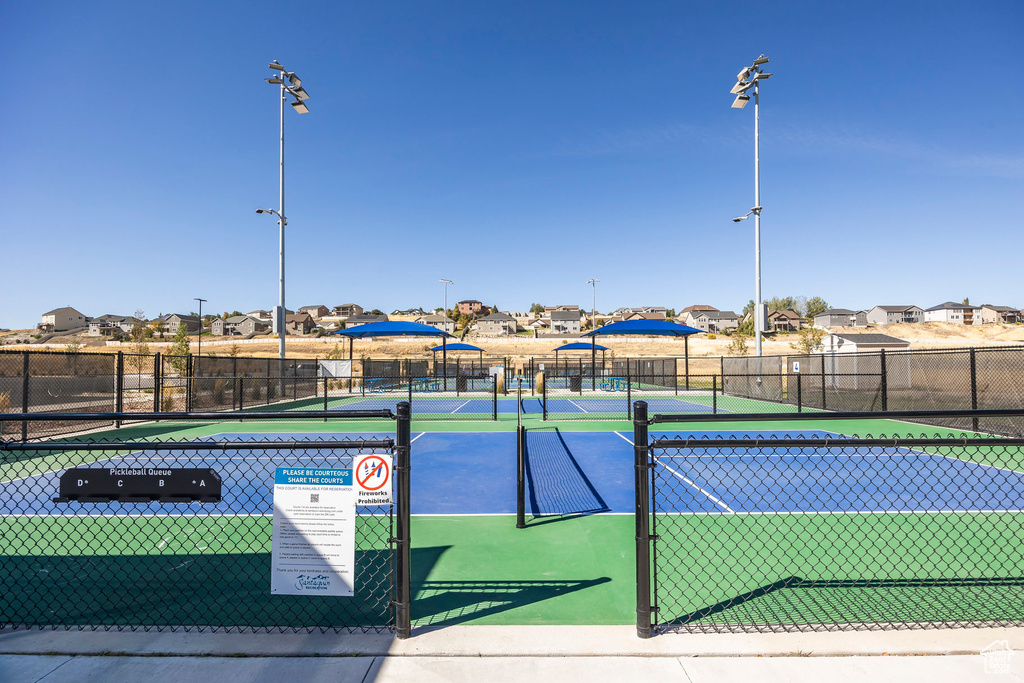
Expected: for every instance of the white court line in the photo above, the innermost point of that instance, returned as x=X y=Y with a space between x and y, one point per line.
x=627 y=440
x=577 y=405
x=459 y=408
x=713 y=499
x=417 y=436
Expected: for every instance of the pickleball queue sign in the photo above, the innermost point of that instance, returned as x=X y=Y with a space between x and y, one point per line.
x=139 y=485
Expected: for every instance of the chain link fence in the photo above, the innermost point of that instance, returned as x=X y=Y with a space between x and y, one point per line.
x=818 y=531
x=156 y=562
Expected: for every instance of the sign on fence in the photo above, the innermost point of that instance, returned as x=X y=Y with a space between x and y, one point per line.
x=313 y=550
x=373 y=479
x=336 y=368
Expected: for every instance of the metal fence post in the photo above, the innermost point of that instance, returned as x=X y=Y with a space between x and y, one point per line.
x=885 y=384
x=157 y=370
x=799 y=394
x=24 y=393
x=823 y=392
x=641 y=515
x=974 y=389
x=494 y=400
x=714 y=395
x=188 y=383
x=544 y=395
x=403 y=445
x=629 y=392
x=521 y=477
x=118 y=387
x=410 y=389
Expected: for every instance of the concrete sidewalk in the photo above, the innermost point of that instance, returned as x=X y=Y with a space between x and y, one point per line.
x=499 y=653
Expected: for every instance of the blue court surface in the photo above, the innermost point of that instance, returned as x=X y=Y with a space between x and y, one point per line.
x=431 y=406
x=571 y=473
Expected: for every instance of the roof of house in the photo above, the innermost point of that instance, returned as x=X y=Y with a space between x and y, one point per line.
x=897 y=309
x=62 y=308
x=428 y=319
x=184 y=318
x=1001 y=309
x=636 y=315
x=470 y=301
x=298 y=317
x=698 y=307
x=837 y=311
x=306 y=309
x=949 y=305
x=565 y=315
x=497 y=316
x=787 y=313
x=873 y=339
x=719 y=315
x=238 y=319
x=367 y=318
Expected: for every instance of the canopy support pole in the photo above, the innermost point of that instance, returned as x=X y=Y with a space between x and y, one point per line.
x=444 y=360
x=593 y=362
x=686 y=366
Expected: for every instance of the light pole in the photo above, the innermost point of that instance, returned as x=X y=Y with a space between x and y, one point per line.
x=294 y=88
x=446 y=283
x=593 y=338
x=750 y=77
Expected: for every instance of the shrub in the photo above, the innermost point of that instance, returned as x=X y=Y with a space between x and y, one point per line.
x=539 y=382
x=711 y=335
x=219 y=387
x=500 y=381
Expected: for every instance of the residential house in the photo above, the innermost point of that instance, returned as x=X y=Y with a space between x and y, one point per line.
x=410 y=311
x=260 y=314
x=441 y=322
x=999 y=314
x=470 y=307
x=841 y=317
x=713 y=322
x=548 y=310
x=890 y=315
x=565 y=322
x=363 y=319
x=949 y=312
x=62 y=319
x=497 y=325
x=112 y=325
x=694 y=309
x=315 y=311
x=785 y=321
x=173 y=320
x=853 y=343
x=238 y=324
x=639 y=315
x=625 y=312
x=539 y=325
x=347 y=310
x=299 y=323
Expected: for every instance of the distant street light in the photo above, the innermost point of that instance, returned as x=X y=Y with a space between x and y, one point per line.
x=750 y=78
x=446 y=283
x=294 y=88
x=200 y=324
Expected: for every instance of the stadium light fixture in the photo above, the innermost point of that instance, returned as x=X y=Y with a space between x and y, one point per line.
x=446 y=283
x=293 y=88
x=751 y=77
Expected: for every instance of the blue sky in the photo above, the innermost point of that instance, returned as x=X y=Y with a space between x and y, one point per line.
x=518 y=149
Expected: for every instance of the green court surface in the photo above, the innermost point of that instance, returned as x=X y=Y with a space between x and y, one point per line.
x=480 y=569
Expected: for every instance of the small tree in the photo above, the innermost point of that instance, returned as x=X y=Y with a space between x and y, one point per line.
x=181 y=348
x=73 y=345
x=139 y=347
x=738 y=345
x=158 y=325
x=967 y=301
x=815 y=305
x=537 y=309
x=747 y=327
x=809 y=341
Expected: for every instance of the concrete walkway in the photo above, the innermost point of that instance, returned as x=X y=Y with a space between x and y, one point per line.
x=507 y=653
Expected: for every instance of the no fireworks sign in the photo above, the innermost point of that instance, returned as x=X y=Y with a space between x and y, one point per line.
x=372 y=479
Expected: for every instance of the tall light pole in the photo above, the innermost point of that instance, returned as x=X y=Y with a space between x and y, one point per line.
x=593 y=339
x=750 y=77
x=294 y=88
x=446 y=283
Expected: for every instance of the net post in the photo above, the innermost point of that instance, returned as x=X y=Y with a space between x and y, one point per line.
x=641 y=515
x=118 y=387
x=402 y=540
x=521 y=477
x=799 y=394
x=494 y=397
x=974 y=389
x=544 y=395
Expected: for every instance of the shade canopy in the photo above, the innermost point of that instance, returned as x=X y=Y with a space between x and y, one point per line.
x=579 y=346
x=393 y=329
x=458 y=347
x=664 y=328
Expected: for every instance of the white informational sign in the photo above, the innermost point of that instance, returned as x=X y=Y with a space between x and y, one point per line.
x=496 y=371
x=796 y=366
x=314 y=548
x=373 y=479
x=336 y=368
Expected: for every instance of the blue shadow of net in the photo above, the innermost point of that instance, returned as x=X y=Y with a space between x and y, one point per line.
x=557 y=484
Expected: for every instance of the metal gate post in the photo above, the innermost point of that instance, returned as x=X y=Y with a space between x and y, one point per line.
x=403 y=593
x=521 y=477
x=157 y=369
x=714 y=394
x=544 y=396
x=641 y=516
x=799 y=394
x=974 y=389
x=24 y=393
x=885 y=384
x=494 y=402
x=118 y=387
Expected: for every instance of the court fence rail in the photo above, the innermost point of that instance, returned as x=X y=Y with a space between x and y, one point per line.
x=816 y=531
x=190 y=562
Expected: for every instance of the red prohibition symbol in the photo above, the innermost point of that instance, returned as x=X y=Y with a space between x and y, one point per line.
x=372 y=467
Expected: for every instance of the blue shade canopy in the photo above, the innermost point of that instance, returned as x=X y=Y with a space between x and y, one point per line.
x=393 y=329
x=458 y=347
x=579 y=346
x=664 y=328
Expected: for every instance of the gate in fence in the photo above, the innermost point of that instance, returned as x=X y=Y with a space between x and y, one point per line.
x=817 y=531
x=186 y=534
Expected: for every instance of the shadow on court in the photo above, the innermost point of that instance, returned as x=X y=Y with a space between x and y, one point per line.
x=556 y=484
x=444 y=603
